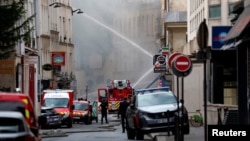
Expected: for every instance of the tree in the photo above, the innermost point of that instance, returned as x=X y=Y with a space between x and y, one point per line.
x=14 y=26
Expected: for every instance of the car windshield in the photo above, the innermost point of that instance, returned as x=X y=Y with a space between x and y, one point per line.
x=56 y=102
x=156 y=99
x=11 y=125
x=81 y=106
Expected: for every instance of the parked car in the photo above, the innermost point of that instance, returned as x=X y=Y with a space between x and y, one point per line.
x=154 y=110
x=13 y=127
x=82 y=112
x=49 y=118
x=22 y=103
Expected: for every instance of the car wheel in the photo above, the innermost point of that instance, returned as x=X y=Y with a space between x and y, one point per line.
x=139 y=135
x=186 y=129
x=86 y=121
x=90 y=120
x=130 y=133
x=69 y=125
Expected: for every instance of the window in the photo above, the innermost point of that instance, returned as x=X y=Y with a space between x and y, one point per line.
x=230 y=9
x=11 y=125
x=230 y=96
x=215 y=11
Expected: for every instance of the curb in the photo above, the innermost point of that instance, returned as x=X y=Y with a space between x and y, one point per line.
x=60 y=133
x=51 y=136
x=53 y=133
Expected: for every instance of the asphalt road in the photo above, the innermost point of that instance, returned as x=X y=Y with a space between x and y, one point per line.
x=79 y=132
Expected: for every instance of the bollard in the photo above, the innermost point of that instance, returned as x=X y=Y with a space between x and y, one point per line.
x=225 y=111
x=168 y=123
x=176 y=132
x=219 y=116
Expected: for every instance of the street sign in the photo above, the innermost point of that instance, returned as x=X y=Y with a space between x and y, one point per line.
x=159 y=62
x=202 y=35
x=182 y=63
x=171 y=57
x=165 y=51
x=161 y=59
x=30 y=60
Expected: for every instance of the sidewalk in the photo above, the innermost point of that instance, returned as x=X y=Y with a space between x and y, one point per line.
x=196 y=134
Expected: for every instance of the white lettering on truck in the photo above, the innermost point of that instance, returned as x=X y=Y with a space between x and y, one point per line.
x=56 y=95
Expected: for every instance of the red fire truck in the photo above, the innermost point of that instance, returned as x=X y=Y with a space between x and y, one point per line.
x=115 y=93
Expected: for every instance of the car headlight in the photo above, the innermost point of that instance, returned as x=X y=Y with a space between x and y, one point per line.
x=141 y=114
x=84 y=113
x=65 y=114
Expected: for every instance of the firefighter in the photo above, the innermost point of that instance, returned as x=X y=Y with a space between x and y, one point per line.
x=122 y=112
x=104 y=110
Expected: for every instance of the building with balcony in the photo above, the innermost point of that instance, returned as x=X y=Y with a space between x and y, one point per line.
x=55 y=43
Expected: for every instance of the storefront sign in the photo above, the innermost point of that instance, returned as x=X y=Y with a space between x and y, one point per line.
x=58 y=58
x=7 y=66
x=47 y=67
x=30 y=60
x=219 y=33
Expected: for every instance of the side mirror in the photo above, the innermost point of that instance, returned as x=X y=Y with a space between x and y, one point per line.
x=132 y=106
x=73 y=107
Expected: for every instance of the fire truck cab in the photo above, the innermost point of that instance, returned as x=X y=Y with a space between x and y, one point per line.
x=115 y=93
x=62 y=101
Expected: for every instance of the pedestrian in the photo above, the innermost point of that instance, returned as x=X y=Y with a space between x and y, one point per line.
x=122 y=111
x=104 y=110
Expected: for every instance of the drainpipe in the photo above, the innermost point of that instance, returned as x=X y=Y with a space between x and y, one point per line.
x=38 y=74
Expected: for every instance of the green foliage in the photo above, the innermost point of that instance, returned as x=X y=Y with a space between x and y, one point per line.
x=14 y=27
x=197 y=118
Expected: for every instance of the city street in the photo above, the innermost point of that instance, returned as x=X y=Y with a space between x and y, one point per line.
x=111 y=131
x=158 y=65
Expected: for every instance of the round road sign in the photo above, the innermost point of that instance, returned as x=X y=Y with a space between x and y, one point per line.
x=161 y=59
x=171 y=58
x=182 y=63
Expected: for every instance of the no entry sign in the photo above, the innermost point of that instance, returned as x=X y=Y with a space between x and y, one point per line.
x=182 y=63
x=171 y=58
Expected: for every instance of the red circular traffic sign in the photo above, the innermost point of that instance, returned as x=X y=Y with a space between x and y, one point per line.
x=171 y=58
x=182 y=63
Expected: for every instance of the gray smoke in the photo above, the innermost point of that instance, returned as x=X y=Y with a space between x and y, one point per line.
x=98 y=50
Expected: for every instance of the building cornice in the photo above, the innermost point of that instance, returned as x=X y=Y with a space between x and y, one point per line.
x=176 y=25
x=66 y=44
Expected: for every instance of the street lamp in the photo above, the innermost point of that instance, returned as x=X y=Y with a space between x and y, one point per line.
x=78 y=11
x=56 y=4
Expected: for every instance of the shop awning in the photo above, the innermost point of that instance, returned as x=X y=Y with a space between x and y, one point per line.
x=240 y=25
x=232 y=39
x=231 y=44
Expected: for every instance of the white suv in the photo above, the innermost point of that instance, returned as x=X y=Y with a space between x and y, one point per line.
x=154 y=110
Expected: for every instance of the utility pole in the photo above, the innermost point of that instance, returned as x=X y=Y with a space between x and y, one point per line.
x=86 y=90
x=39 y=73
